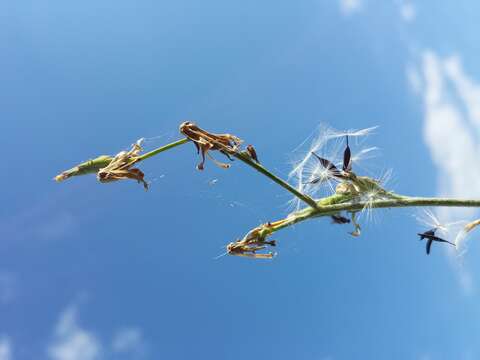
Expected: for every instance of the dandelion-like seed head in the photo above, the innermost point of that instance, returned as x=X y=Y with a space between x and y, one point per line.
x=313 y=178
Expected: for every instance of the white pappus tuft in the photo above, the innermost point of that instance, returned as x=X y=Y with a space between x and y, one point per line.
x=309 y=175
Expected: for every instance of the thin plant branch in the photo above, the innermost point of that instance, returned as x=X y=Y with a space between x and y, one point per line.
x=256 y=239
x=337 y=203
x=160 y=150
x=262 y=170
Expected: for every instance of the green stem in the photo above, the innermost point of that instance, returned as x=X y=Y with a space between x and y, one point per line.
x=92 y=166
x=248 y=160
x=337 y=203
x=245 y=159
x=161 y=149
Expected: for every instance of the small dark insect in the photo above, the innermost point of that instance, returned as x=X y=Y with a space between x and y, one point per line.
x=339 y=219
x=431 y=237
x=252 y=153
x=347 y=158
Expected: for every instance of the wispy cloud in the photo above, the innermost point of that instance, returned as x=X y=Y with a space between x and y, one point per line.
x=44 y=219
x=129 y=341
x=452 y=116
x=71 y=342
x=407 y=11
x=349 y=7
x=5 y=348
x=451 y=127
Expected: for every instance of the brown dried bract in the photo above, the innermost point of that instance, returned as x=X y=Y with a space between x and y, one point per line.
x=120 y=168
x=204 y=142
x=250 y=244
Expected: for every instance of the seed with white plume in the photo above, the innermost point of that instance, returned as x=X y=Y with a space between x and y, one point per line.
x=429 y=220
x=315 y=179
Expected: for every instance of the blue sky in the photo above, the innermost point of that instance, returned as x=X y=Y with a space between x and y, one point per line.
x=92 y=271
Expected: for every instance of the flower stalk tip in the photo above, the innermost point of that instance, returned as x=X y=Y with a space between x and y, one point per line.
x=88 y=167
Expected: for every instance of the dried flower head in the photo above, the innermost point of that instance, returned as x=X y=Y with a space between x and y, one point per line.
x=254 y=241
x=120 y=167
x=204 y=142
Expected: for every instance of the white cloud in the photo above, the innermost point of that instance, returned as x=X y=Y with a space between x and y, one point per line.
x=128 y=340
x=71 y=341
x=348 y=7
x=451 y=127
x=5 y=348
x=452 y=133
x=414 y=80
x=407 y=11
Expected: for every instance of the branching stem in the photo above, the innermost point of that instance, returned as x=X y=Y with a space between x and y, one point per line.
x=250 y=162
x=246 y=159
x=337 y=203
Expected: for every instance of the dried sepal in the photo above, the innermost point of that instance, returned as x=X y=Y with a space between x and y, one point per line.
x=120 y=168
x=204 y=142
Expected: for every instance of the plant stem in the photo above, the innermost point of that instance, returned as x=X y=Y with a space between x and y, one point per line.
x=248 y=160
x=245 y=159
x=337 y=203
x=92 y=166
x=161 y=149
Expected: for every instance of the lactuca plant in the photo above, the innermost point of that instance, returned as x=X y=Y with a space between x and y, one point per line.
x=326 y=184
